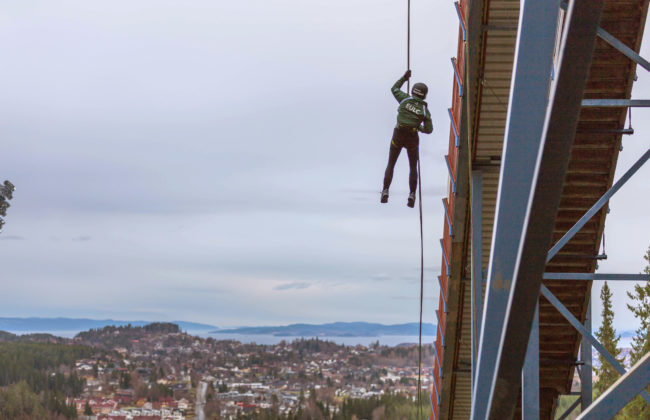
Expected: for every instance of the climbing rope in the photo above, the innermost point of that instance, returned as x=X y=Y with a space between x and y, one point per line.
x=408 y=89
x=421 y=289
x=408 y=44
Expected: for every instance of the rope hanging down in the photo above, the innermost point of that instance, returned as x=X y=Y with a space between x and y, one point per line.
x=408 y=87
x=408 y=44
x=421 y=290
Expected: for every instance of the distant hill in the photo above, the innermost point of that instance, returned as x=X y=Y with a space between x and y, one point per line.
x=124 y=336
x=26 y=325
x=36 y=338
x=628 y=334
x=106 y=337
x=336 y=329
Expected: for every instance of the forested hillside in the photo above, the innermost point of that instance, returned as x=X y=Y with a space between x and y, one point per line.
x=36 y=378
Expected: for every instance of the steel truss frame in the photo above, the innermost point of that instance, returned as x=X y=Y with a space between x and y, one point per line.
x=537 y=143
x=609 y=405
x=529 y=393
x=603 y=407
x=535 y=159
x=633 y=381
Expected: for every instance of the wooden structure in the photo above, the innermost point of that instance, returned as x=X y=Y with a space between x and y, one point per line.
x=481 y=89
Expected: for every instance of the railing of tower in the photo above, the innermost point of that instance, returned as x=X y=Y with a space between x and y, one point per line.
x=457 y=64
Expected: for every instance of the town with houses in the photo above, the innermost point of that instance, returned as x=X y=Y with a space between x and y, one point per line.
x=160 y=373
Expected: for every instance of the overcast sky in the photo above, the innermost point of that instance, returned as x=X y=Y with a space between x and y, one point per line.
x=221 y=161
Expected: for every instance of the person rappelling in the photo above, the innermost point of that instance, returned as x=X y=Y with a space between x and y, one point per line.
x=412 y=117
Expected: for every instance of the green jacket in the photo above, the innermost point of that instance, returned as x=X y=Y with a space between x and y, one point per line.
x=412 y=111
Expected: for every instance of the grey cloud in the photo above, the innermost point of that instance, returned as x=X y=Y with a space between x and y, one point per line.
x=11 y=237
x=293 y=286
x=186 y=175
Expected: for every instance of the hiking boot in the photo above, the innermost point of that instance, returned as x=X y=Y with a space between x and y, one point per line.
x=384 y=195
x=411 y=202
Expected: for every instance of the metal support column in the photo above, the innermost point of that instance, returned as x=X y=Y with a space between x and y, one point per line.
x=530 y=374
x=524 y=125
x=520 y=244
x=477 y=262
x=586 y=385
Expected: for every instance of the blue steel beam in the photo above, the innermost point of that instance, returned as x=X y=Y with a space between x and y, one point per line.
x=458 y=81
x=435 y=350
x=626 y=131
x=451 y=175
x=533 y=61
x=442 y=335
x=445 y=207
x=627 y=51
x=530 y=374
x=443 y=294
x=444 y=254
x=453 y=125
x=616 y=103
x=599 y=276
x=621 y=392
x=528 y=261
x=596 y=207
x=460 y=19
x=435 y=385
x=586 y=334
x=570 y=409
x=586 y=380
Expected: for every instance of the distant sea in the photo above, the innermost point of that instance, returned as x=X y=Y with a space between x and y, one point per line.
x=386 y=340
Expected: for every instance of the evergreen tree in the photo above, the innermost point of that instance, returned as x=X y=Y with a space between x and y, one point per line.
x=87 y=410
x=640 y=307
x=641 y=310
x=606 y=334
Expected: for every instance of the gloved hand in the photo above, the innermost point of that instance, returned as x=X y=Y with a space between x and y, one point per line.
x=407 y=75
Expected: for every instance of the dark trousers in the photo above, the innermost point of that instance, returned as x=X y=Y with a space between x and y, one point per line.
x=409 y=140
